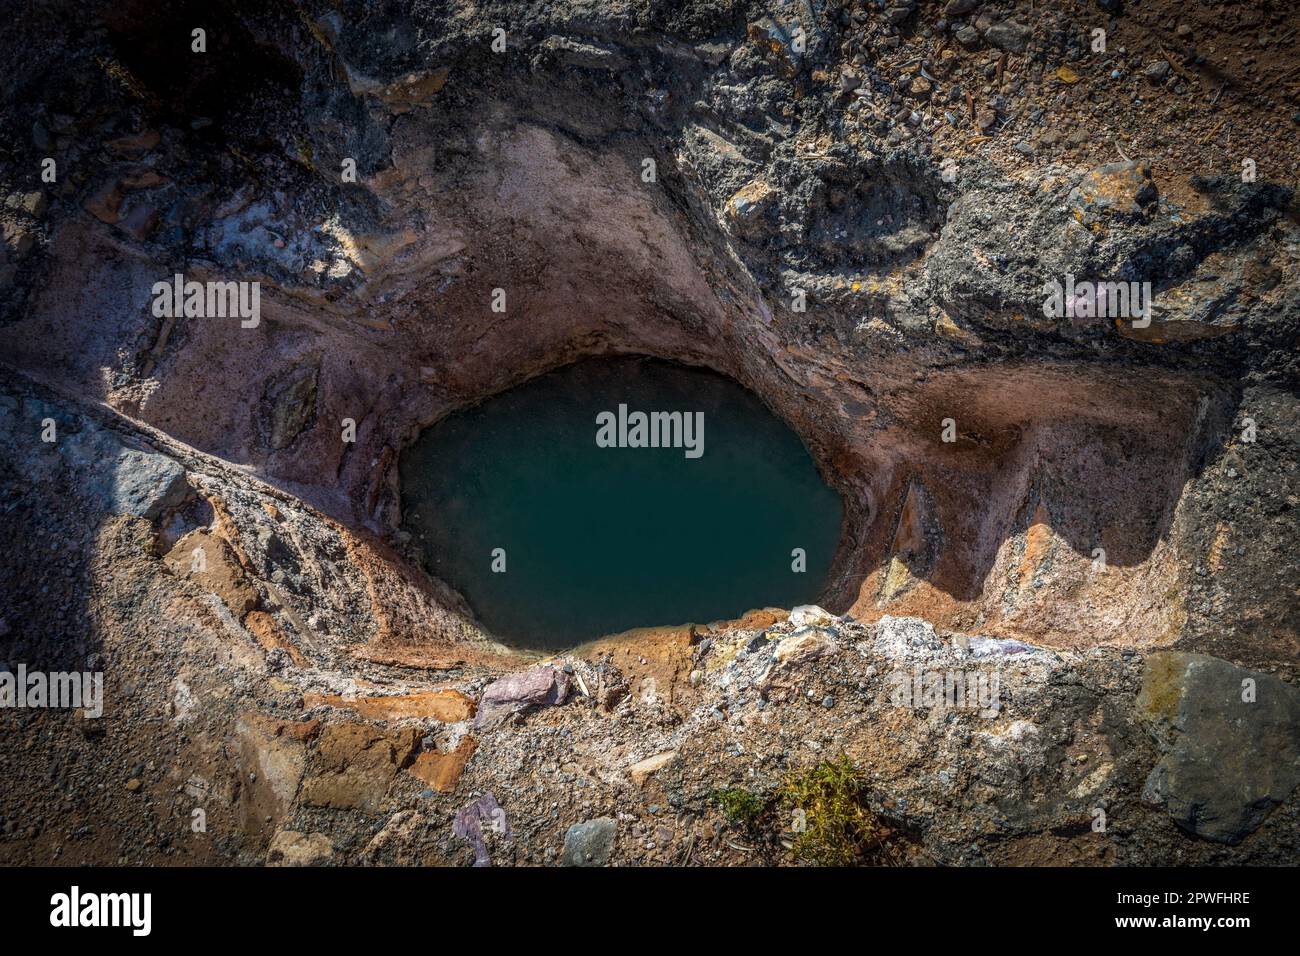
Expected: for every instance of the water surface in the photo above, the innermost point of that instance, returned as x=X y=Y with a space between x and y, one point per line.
x=602 y=539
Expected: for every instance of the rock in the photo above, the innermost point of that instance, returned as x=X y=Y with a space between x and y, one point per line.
x=471 y=819
x=641 y=771
x=140 y=222
x=34 y=203
x=898 y=14
x=105 y=203
x=448 y=706
x=290 y=848
x=290 y=404
x=810 y=615
x=1123 y=190
x=521 y=691
x=1227 y=761
x=806 y=645
x=746 y=211
x=122 y=480
x=1215 y=300
x=589 y=843
x=920 y=87
x=18 y=239
x=583 y=54
x=442 y=771
x=146 y=484
x=355 y=764
x=271 y=757
x=1157 y=71
x=968 y=37
x=271 y=636
x=215 y=568
x=957 y=8
x=134 y=145
x=133 y=784
x=1008 y=35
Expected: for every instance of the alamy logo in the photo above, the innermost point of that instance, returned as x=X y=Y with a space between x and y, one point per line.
x=1098 y=300
x=208 y=300
x=36 y=689
x=652 y=430
x=103 y=909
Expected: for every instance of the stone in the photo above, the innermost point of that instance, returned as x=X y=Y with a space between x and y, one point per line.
x=290 y=404
x=448 y=706
x=807 y=644
x=968 y=37
x=355 y=764
x=519 y=692
x=33 y=203
x=1125 y=190
x=1227 y=761
x=470 y=820
x=270 y=636
x=290 y=848
x=583 y=55
x=441 y=771
x=1157 y=71
x=1008 y=35
x=957 y=8
x=746 y=211
x=589 y=843
x=140 y=222
x=136 y=144
x=642 y=770
x=105 y=203
x=218 y=570
x=124 y=480
x=898 y=14
x=271 y=757
x=810 y=615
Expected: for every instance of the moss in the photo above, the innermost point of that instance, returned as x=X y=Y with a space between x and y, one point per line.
x=740 y=806
x=1162 y=686
x=833 y=825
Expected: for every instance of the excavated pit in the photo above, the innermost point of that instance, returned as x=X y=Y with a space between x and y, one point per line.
x=224 y=522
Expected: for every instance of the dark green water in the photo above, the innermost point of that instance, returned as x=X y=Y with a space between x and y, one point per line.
x=602 y=539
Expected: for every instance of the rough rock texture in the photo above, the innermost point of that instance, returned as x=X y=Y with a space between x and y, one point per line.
x=1231 y=739
x=858 y=227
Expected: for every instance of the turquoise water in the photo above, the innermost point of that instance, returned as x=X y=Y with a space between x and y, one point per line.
x=601 y=539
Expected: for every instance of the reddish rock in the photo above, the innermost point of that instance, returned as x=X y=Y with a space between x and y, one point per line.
x=442 y=771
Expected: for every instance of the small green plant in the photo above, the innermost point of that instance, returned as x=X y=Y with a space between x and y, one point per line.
x=831 y=824
x=740 y=807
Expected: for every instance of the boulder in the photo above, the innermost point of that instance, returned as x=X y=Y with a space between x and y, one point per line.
x=1230 y=740
x=521 y=691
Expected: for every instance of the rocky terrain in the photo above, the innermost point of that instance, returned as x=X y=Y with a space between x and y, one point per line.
x=852 y=209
